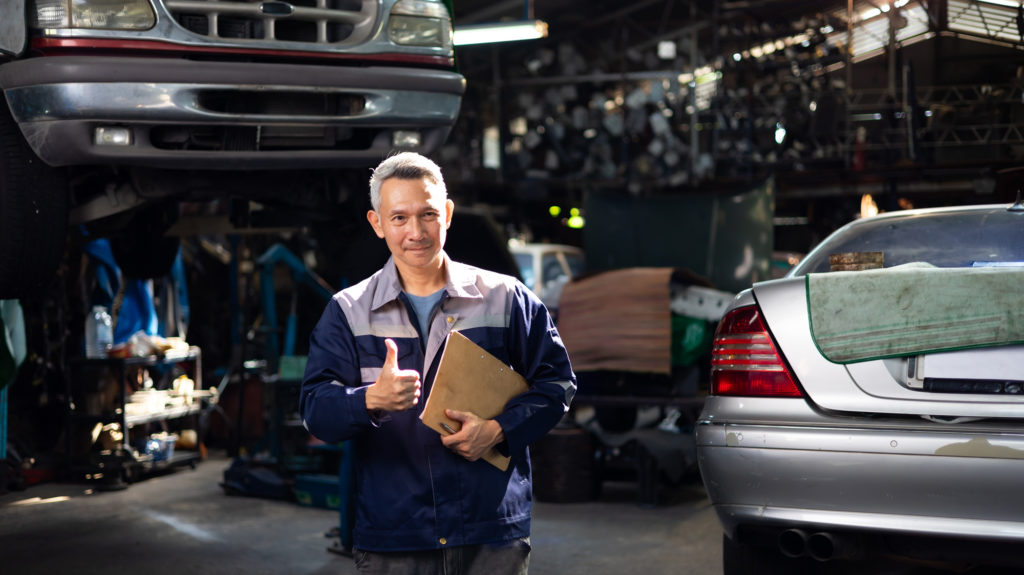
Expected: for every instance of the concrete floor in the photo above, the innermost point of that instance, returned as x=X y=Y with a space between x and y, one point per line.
x=182 y=523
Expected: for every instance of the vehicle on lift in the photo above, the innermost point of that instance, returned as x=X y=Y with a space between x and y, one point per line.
x=114 y=111
x=862 y=415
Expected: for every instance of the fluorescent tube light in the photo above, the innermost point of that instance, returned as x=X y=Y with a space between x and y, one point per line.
x=500 y=32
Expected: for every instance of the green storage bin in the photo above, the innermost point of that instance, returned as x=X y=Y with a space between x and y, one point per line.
x=691 y=339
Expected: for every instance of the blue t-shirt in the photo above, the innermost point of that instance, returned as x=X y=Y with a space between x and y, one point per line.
x=423 y=308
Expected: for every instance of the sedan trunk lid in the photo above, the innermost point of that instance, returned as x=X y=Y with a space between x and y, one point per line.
x=928 y=379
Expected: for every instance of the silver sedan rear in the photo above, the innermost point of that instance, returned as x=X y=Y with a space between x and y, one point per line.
x=914 y=455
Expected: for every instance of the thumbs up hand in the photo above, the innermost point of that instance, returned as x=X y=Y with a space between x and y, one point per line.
x=395 y=389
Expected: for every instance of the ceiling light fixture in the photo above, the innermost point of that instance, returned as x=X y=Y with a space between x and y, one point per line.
x=500 y=32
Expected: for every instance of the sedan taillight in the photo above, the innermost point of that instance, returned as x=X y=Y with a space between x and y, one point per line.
x=744 y=360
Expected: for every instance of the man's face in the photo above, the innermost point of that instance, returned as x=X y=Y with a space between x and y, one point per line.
x=413 y=219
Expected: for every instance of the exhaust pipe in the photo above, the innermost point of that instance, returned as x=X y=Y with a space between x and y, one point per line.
x=825 y=546
x=793 y=543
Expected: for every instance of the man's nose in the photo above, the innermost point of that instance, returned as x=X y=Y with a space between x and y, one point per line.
x=415 y=228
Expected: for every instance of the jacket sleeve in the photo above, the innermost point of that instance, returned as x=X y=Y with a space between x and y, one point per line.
x=537 y=352
x=332 y=400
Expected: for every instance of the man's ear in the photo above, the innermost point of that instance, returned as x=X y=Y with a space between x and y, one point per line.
x=448 y=212
x=374 y=219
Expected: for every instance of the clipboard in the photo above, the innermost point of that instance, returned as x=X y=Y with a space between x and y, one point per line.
x=470 y=379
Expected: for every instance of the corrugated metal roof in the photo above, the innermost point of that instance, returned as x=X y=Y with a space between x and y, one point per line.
x=871 y=32
x=996 y=19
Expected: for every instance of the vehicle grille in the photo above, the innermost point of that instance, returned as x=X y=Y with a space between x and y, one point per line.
x=319 y=22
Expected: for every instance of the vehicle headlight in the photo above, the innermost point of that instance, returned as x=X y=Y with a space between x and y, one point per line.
x=420 y=23
x=94 y=14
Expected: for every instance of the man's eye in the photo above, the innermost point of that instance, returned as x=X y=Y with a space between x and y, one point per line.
x=398 y=219
x=430 y=216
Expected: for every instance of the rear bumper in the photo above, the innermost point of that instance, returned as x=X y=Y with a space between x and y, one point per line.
x=309 y=111
x=908 y=479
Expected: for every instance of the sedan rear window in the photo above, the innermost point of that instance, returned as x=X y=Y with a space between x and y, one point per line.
x=944 y=238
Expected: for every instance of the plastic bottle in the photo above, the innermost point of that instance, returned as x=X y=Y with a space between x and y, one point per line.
x=99 y=332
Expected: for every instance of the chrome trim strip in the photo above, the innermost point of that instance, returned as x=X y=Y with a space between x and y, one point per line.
x=950 y=442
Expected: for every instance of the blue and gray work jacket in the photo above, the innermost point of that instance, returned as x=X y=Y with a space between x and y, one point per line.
x=412 y=493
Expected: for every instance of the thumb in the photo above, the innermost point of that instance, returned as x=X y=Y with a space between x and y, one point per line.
x=391 y=359
x=457 y=415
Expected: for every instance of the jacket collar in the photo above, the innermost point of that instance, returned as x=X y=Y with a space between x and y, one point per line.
x=460 y=282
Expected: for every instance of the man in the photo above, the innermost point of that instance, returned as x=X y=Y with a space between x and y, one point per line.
x=427 y=504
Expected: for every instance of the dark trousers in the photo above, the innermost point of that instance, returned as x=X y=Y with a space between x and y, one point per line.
x=506 y=558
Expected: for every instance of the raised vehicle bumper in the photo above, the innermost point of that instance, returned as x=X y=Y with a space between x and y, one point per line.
x=248 y=115
x=899 y=480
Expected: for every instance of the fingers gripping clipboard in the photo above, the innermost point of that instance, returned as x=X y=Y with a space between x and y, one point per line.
x=470 y=379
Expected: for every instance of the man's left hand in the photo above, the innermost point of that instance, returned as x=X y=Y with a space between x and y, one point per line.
x=476 y=437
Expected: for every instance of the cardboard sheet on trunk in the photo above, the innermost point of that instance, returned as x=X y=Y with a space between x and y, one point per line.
x=470 y=379
x=913 y=309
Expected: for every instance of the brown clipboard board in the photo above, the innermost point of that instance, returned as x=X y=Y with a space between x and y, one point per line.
x=470 y=379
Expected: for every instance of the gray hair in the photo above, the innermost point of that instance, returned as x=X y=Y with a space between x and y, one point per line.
x=404 y=166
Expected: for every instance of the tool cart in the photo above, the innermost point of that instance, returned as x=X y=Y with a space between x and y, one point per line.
x=132 y=416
